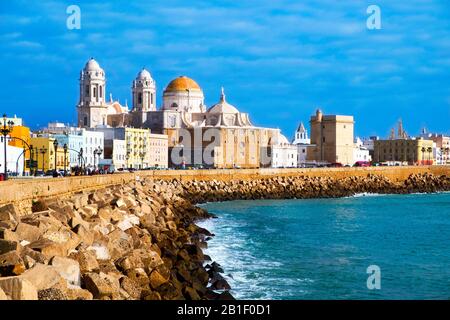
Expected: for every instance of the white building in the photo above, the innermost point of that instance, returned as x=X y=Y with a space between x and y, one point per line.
x=281 y=153
x=360 y=152
x=79 y=138
x=14 y=158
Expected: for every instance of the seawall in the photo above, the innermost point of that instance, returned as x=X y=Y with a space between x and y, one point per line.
x=20 y=191
x=133 y=236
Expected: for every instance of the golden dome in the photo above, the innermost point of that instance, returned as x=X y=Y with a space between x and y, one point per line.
x=183 y=83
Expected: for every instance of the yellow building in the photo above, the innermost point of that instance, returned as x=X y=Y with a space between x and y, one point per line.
x=413 y=151
x=44 y=153
x=23 y=140
x=331 y=139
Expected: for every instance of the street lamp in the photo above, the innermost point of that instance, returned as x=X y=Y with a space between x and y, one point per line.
x=65 y=158
x=80 y=159
x=142 y=155
x=5 y=130
x=127 y=157
x=97 y=152
x=55 y=145
x=43 y=151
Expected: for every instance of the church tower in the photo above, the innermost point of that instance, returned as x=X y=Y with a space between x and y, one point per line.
x=301 y=135
x=92 y=109
x=144 y=97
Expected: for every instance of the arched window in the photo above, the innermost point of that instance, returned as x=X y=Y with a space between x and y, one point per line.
x=95 y=92
x=85 y=120
x=139 y=98
x=174 y=106
x=101 y=91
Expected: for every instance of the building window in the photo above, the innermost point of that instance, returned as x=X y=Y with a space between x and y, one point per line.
x=139 y=98
x=101 y=91
x=85 y=121
x=323 y=139
x=95 y=92
x=87 y=90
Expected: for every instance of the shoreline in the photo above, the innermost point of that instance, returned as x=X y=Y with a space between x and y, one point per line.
x=140 y=240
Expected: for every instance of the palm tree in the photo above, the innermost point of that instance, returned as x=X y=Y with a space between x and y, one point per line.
x=423 y=152
x=430 y=150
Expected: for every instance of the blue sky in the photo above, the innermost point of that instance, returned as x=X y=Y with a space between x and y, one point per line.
x=278 y=60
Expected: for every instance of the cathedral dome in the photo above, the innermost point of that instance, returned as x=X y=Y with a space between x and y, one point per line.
x=222 y=106
x=144 y=75
x=92 y=65
x=182 y=83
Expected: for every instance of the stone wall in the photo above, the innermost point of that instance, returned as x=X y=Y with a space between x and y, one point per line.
x=16 y=191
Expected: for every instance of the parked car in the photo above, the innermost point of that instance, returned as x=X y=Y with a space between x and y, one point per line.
x=362 y=164
x=335 y=165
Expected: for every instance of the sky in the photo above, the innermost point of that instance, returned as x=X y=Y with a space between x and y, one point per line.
x=277 y=60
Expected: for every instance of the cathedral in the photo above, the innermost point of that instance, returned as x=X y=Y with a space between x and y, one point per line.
x=182 y=116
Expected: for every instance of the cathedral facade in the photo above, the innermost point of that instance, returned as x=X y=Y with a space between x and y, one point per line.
x=219 y=136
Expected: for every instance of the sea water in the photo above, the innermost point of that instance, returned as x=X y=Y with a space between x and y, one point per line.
x=322 y=248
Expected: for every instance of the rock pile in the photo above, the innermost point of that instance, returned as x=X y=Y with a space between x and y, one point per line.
x=140 y=240
x=135 y=241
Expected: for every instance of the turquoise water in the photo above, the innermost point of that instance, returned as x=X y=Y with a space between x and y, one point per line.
x=321 y=248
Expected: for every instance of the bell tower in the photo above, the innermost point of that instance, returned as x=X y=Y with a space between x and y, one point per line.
x=91 y=106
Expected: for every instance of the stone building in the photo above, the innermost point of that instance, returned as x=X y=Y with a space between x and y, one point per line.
x=221 y=131
x=332 y=138
x=411 y=151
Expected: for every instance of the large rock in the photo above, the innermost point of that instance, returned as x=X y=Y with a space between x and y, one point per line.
x=28 y=232
x=131 y=287
x=86 y=259
x=51 y=294
x=3 y=295
x=49 y=248
x=9 y=213
x=8 y=245
x=7 y=234
x=43 y=276
x=69 y=269
x=101 y=285
x=11 y=264
x=17 y=288
x=156 y=279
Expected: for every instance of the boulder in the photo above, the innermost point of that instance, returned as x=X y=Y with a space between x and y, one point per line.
x=191 y=294
x=8 y=245
x=43 y=276
x=78 y=294
x=3 y=295
x=87 y=260
x=69 y=269
x=139 y=276
x=51 y=294
x=9 y=213
x=101 y=251
x=84 y=234
x=131 y=287
x=156 y=279
x=11 y=264
x=7 y=234
x=101 y=285
x=17 y=288
x=49 y=248
x=28 y=232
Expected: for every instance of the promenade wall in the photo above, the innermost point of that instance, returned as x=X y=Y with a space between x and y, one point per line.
x=19 y=190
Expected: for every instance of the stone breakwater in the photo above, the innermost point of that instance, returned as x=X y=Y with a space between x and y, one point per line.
x=139 y=240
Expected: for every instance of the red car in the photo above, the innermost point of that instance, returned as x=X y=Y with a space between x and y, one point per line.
x=362 y=164
x=335 y=165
